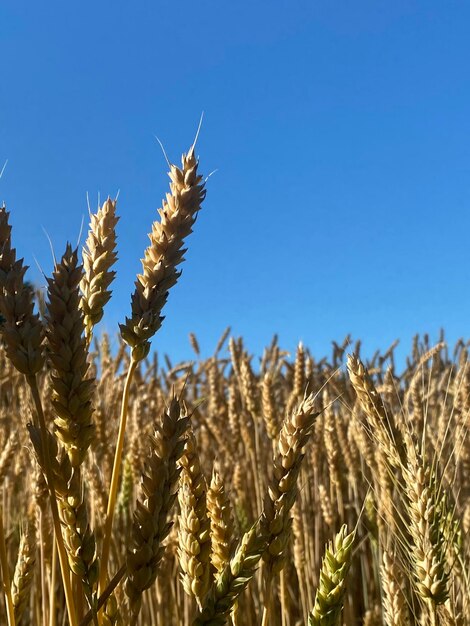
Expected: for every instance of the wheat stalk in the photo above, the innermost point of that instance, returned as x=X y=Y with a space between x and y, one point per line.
x=159 y=274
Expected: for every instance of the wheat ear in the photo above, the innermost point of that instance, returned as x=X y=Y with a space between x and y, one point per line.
x=194 y=532
x=276 y=521
x=8 y=453
x=79 y=540
x=393 y=597
x=382 y=427
x=45 y=447
x=22 y=330
x=332 y=586
x=232 y=581
x=221 y=520
x=24 y=570
x=269 y=406
x=99 y=256
x=72 y=386
x=72 y=390
x=426 y=526
x=164 y=254
x=151 y=523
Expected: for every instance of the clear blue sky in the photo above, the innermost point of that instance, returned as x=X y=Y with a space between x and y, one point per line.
x=340 y=132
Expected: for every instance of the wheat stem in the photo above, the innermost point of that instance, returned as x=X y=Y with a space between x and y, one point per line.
x=52 y=615
x=6 y=574
x=113 y=583
x=113 y=489
x=267 y=597
x=64 y=565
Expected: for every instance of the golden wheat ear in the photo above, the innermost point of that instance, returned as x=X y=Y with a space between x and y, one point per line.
x=151 y=522
x=22 y=331
x=72 y=385
x=23 y=577
x=194 y=524
x=426 y=527
x=234 y=579
x=23 y=334
x=99 y=256
x=394 y=602
x=276 y=519
x=276 y=522
x=219 y=510
x=163 y=255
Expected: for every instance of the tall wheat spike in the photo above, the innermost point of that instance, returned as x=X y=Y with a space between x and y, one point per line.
x=159 y=274
x=67 y=353
x=222 y=527
x=99 y=255
x=164 y=254
x=394 y=601
x=22 y=331
x=194 y=525
x=275 y=520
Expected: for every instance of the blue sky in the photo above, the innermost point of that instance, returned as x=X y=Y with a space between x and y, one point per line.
x=339 y=132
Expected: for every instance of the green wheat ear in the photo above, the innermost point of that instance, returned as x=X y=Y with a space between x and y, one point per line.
x=330 y=593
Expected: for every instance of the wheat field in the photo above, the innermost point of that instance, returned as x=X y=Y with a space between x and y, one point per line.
x=275 y=489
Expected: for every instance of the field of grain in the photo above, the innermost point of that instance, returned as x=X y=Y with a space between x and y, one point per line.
x=275 y=489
